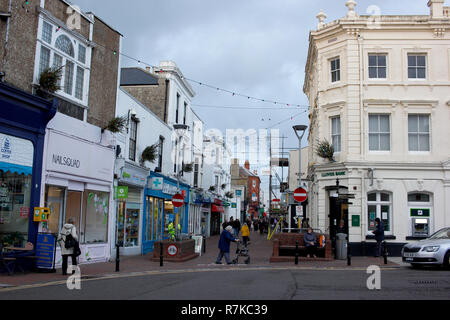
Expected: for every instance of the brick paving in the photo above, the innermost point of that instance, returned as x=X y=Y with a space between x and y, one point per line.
x=260 y=251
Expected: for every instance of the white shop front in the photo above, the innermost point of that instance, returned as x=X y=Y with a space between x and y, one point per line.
x=78 y=177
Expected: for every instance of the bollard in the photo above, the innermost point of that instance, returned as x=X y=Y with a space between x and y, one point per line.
x=204 y=244
x=296 y=252
x=363 y=244
x=349 y=256
x=385 y=252
x=161 y=262
x=117 y=257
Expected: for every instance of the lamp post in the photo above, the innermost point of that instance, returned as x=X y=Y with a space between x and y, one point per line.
x=299 y=132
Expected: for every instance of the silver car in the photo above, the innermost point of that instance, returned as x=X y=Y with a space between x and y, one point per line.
x=434 y=250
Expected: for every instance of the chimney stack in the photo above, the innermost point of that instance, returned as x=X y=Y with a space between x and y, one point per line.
x=436 y=9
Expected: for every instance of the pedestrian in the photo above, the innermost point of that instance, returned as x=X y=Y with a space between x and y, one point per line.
x=255 y=225
x=224 y=245
x=224 y=224
x=310 y=241
x=245 y=234
x=66 y=236
x=379 y=236
x=262 y=225
x=236 y=227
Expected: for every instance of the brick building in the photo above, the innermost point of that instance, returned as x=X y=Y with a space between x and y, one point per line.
x=36 y=36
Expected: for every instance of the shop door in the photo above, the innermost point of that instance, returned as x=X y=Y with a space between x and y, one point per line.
x=334 y=217
x=154 y=223
x=73 y=210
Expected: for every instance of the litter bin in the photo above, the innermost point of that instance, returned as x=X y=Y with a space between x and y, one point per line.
x=341 y=246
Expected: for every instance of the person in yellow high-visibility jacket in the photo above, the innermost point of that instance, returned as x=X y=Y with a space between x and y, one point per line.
x=245 y=234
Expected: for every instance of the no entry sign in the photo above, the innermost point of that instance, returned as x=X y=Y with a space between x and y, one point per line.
x=300 y=195
x=178 y=200
x=172 y=250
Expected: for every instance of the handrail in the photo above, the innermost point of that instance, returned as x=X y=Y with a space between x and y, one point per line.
x=269 y=236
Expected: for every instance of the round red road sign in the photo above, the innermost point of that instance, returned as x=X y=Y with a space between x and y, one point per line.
x=300 y=195
x=178 y=200
x=172 y=250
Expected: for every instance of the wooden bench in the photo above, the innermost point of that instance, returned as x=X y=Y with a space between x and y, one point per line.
x=287 y=242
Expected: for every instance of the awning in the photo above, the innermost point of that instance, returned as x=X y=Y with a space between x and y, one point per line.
x=15 y=168
x=216 y=208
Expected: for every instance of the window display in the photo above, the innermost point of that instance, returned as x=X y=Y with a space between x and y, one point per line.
x=54 y=199
x=128 y=224
x=95 y=217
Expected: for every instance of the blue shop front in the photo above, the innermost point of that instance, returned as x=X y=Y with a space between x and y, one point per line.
x=159 y=210
x=23 y=119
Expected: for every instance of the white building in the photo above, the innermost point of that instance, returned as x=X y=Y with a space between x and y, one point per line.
x=378 y=88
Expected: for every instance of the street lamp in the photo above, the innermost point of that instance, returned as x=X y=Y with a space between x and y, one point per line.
x=300 y=132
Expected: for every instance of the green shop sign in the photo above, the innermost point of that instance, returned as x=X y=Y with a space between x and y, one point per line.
x=126 y=175
x=356 y=221
x=420 y=212
x=333 y=174
x=121 y=193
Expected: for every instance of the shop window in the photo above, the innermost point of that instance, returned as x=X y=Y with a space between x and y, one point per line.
x=16 y=166
x=54 y=199
x=379 y=205
x=418 y=197
x=95 y=217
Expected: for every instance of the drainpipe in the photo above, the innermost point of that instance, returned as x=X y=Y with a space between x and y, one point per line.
x=361 y=93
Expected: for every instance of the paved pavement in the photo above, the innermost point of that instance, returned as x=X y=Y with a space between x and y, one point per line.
x=260 y=251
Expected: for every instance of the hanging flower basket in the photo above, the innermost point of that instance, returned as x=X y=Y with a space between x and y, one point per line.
x=48 y=82
x=116 y=124
x=149 y=154
x=325 y=150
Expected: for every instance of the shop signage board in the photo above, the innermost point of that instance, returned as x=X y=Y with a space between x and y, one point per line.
x=122 y=193
x=234 y=205
x=356 y=221
x=178 y=200
x=300 y=195
x=45 y=251
x=420 y=212
x=333 y=174
x=238 y=193
x=157 y=183
x=172 y=250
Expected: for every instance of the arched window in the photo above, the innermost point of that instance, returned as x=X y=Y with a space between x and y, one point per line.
x=379 y=205
x=64 y=44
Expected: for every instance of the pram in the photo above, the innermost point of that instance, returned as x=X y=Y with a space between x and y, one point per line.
x=242 y=251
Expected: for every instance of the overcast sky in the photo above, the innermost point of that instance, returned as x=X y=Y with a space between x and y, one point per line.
x=253 y=47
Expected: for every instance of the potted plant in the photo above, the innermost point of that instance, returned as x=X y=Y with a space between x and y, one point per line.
x=212 y=188
x=149 y=154
x=48 y=82
x=224 y=186
x=325 y=150
x=229 y=195
x=116 y=124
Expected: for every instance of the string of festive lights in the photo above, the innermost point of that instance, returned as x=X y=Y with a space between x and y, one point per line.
x=234 y=94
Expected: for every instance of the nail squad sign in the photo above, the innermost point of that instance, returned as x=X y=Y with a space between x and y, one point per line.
x=73 y=156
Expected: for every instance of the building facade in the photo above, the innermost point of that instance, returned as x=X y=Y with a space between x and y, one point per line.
x=378 y=91
x=72 y=183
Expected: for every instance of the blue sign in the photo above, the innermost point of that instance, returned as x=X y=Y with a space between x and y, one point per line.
x=238 y=193
x=45 y=251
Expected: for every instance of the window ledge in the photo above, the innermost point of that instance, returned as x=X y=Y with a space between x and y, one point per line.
x=416 y=238
x=386 y=237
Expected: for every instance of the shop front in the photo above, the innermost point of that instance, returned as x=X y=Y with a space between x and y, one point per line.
x=78 y=178
x=195 y=213
x=217 y=212
x=23 y=119
x=160 y=212
x=129 y=206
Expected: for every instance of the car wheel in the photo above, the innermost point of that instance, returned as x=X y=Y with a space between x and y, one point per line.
x=447 y=260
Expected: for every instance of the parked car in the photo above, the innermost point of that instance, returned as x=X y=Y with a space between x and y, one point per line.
x=434 y=250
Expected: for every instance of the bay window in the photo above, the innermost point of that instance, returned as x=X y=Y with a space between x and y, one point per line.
x=60 y=49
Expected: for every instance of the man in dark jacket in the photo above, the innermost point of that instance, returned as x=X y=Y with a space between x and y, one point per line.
x=224 y=245
x=379 y=236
